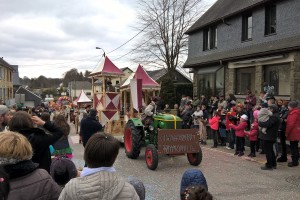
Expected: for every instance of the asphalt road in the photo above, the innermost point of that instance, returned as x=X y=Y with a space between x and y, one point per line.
x=228 y=176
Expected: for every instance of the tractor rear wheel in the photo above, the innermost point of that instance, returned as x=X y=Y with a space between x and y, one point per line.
x=132 y=140
x=195 y=158
x=151 y=157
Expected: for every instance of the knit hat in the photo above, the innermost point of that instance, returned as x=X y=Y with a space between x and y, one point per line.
x=244 y=117
x=3 y=109
x=192 y=177
x=93 y=113
x=293 y=104
x=264 y=105
x=63 y=167
x=138 y=186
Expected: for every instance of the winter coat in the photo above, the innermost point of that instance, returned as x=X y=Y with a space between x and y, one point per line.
x=272 y=126
x=230 y=119
x=251 y=102
x=293 y=125
x=40 y=142
x=253 y=132
x=283 y=113
x=240 y=128
x=88 y=127
x=28 y=182
x=214 y=123
x=101 y=185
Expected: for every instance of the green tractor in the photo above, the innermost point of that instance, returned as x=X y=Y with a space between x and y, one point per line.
x=163 y=136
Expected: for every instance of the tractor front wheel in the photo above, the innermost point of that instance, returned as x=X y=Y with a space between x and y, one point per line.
x=132 y=140
x=195 y=158
x=151 y=157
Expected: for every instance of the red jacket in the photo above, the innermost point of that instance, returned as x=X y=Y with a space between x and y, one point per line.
x=253 y=132
x=233 y=114
x=214 y=123
x=239 y=129
x=292 y=131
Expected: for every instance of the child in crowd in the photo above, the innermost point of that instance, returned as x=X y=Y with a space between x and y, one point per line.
x=192 y=178
x=222 y=127
x=252 y=135
x=63 y=170
x=239 y=132
x=62 y=146
x=214 y=125
x=196 y=193
x=263 y=116
x=230 y=120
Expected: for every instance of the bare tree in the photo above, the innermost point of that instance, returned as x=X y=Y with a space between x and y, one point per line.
x=163 y=42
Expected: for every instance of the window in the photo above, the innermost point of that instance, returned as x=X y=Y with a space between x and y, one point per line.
x=279 y=77
x=245 y=80
x=211 y=82
x=247 y=27
x=270 y=19
x=88 y=93
x=210 y=38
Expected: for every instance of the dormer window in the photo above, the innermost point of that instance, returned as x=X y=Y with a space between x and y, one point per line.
x=270 y=19
x=210 y=38
x=247 y=27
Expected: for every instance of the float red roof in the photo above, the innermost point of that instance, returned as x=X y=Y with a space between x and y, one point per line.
x=140 y=73
x=108 y=68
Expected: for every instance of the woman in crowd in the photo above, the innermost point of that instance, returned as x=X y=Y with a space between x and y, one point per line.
x=99 y=180
x=293 y=132
x=25 y=179
x=214 y=125
x=25 y=124
x=62 y=146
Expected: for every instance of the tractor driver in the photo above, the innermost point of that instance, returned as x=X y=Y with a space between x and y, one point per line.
x=150 y=111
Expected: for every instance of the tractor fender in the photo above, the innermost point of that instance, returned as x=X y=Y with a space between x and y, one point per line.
x=137 y=122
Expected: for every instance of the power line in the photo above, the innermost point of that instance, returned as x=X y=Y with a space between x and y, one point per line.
x=152 y=36
x=142 y=29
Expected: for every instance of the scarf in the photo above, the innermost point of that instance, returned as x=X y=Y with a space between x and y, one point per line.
x=89 y=171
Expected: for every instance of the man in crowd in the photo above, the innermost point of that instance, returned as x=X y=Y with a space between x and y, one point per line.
x=250 y=102
x=4 y=117
x=89 y=126
x=270 y=137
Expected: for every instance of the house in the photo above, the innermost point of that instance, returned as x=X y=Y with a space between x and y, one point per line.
x=31 y=99
x=6 y=82
x=179 y=79
x=75 y=88
x=240 y=45
x=15 y=78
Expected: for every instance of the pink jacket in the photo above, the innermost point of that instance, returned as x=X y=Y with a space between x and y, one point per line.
x=239 y=129
x=214 y=123
x=253 y=132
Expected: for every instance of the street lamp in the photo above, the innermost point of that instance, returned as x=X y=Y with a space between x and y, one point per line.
x=102 y=50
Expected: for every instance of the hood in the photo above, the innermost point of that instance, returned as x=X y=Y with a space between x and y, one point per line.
x=192 y=177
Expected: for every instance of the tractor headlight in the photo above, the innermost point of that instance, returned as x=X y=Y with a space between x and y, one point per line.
x=151 y=128
x=161 y=124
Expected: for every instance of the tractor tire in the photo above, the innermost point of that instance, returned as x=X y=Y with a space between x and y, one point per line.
x=132 y=140
x=151 y=157
x=195 y=158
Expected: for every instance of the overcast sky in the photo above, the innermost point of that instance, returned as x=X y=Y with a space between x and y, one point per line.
x=50 y=37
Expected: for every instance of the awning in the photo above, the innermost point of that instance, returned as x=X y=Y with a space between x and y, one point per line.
x=208 y=70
